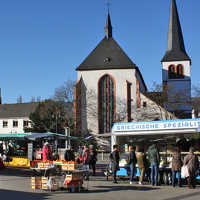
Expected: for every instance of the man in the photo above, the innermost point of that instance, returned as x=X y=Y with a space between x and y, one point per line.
x=132 y=160
x=92 y=158
x=114 y=158
x=69 y=154
x=154 y=159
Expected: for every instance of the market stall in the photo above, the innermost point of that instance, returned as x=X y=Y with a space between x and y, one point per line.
x=164 y=133
x=56 y=175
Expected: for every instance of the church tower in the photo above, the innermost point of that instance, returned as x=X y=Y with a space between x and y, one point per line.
x=176 y=66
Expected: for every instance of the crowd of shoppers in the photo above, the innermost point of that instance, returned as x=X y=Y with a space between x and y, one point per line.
x=150 y=159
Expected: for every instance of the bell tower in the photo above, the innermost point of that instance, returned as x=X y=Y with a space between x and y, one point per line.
x=176 y=66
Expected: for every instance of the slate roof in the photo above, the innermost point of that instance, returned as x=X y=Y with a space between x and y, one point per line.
x=175 y=44
x=18 y=110
x=107 y=55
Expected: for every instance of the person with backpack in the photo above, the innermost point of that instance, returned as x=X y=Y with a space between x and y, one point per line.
x=154 y=159
x=132 y=160
x=114 y=158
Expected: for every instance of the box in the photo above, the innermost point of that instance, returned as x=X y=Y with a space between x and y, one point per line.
x=74 y=166
x=73 y=177
x=36 y=182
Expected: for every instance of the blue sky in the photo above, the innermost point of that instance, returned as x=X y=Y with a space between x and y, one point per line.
x=43 y=41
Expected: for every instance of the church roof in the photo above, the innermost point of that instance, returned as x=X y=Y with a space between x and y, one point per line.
x=107 y=55
x=175 y=44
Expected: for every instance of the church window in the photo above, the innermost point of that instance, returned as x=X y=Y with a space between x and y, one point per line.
x=107 y=60
x=172 y=72
x=180 y=72
x=144 y=104
x=128 y=101
x=106 y=102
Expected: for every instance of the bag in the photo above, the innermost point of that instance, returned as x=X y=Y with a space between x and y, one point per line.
x=184 y=171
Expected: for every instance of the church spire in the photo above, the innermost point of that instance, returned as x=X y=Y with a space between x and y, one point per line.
x=175 y=45
x=108 y=28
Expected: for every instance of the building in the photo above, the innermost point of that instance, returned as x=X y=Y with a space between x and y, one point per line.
x=15 y=117
x=176 y=67
x=110 y=86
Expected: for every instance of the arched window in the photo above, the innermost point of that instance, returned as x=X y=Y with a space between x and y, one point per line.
x=180 y=71
x=106 y=102
x=171 y=72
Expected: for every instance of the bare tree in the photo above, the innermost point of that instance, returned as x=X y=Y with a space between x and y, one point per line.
x=65 y=92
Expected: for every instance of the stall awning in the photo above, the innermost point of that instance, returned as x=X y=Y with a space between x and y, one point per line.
x=10 y=136
x=37 y=136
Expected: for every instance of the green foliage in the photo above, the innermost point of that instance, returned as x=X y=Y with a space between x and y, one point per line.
x=51 y=116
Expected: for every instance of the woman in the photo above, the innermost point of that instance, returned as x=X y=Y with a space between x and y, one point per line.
x=192 y=163
x=141 y=165
x=176 y=166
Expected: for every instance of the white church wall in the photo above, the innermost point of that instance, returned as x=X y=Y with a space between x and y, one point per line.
x=150 y=111
x=91 y=78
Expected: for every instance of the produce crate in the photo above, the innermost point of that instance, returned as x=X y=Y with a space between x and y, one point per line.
x=74 y=177
x=74 y=166
x=36 y=183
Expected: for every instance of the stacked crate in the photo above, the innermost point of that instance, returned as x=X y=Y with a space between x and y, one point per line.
x=36 y=182
x=46 y=186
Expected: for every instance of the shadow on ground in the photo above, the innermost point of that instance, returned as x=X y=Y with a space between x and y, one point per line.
x=10 y=195
x=13 y=171
x=101 y=189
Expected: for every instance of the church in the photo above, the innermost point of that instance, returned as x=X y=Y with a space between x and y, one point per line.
x=110 y=87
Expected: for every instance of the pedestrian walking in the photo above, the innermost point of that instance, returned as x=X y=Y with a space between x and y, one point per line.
x=114 y=158
x=92 y=159
x=132 y=160
x=192 y=163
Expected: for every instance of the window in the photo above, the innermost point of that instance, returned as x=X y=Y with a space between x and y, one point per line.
x=15 y=123
x=128 y=101
x=5 y=124
x=144 y=104
x=180 y=72
x=106 y=104
x=172 y=72
x=26 y=123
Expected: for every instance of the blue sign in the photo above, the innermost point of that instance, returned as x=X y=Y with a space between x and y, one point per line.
x=157 y=125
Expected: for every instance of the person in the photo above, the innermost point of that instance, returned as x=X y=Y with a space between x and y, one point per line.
x=46 y=152
x=84 y=158
x=176 y=166
x=38 y=153
x=154 y=159
x=1 y=149
x=92 y=159
x=114 y=158
x=69 y=154
x=192 y=163
x=140 y=161
x=131 y=162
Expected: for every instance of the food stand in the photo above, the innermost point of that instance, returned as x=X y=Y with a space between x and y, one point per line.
x=164 y=133
x=59 y=174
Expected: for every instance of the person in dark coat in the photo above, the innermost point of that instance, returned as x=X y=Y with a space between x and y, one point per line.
x=69 y=154
x=154 y=159
x=92 y=158
x=132 y=160
x=192 y=163
x=114 y=158
x=176 y=166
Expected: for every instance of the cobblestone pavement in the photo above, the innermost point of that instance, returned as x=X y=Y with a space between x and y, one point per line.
x=15 y=184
